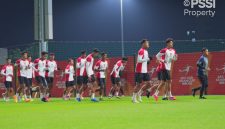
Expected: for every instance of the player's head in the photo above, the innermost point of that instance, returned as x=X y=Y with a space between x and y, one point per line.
x=24 y=55
x=8 y=60
x=103 y=55
x=44 y=55
x=124 y=60
x=83 y=54
x=169 y=43
x=95 y=52
x=52 y=56
x=205 y=51
x=29 y=58
x=145 y=43
x=70 y=61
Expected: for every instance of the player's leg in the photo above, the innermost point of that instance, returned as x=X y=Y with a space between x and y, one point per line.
x=50 y=85
x=162 y=78
x=138 y=80
x=101 y=85
x=203 y=82
x=78 y=88
x=146 y=85
x=92 y=84
x=113 y=87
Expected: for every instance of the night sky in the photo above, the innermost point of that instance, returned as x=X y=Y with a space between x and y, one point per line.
x=99 y=20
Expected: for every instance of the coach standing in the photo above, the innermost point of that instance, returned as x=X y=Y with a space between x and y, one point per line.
x=203 y=69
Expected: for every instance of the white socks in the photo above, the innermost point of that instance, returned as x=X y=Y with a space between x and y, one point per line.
x=93 y=95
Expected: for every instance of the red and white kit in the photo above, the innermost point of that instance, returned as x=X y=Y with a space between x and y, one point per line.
x=30 y=70
x=166 y=56
x=7 y=72
x=40 y=65
x=101 y=66
x=69 y=73
x=80 y=67
x=117 y=68
x=89 y=65
x=142 y=61
x=52 y=67
x=22 y=67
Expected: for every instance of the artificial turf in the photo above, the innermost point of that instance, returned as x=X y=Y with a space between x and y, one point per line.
x=184 y=113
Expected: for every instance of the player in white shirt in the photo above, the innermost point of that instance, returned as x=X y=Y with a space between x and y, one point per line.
x=51 y=65
x=90 y=73
x=115 y=76
x=69 y=76
x=22 y=65
x=101 y=68
x=40 y=65
x=30 y=76
x=81 y=74
x=142 y=77
x=166 y=56
x=7 y=72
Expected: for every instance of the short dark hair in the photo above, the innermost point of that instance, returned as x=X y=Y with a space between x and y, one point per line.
x=22 y=53
x=95 y=50
x=168 y=40
x=125 y=59
x=44 y=53
x=82 y=52
x=204 y=49
x=52 y=54
x=29 y=56
x=103 y=53
x=143 y=41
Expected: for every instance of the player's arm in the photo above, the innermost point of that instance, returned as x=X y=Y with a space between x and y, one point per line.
x=97 y=66
x=79 y=64
x=3 y=71
x=175 y=56
x=201 y=63
x=159 y=55
x=88 y=67
x=67 y=70
x=140 y=58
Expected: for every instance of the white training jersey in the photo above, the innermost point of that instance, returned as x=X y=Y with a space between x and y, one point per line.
x=22 y=67
x=117 y=68
x=40 y=65
x=69 y=72
x=142 y=61
x=101 y=67
x=166 y=56
x=89 y=65
x=52 y=67
x=30 y=70
x=7 y=72
x=80 y=67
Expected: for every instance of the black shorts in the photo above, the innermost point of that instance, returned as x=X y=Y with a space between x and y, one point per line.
x=115 y=80
x=49 y=79
x=159 y=75
x=8 y=84
x=69 y=83
x=29 y=82
x=41 y=80
x=82 y=80
x=101 y=82
x=139 y=77
x=165 y=75
x=92 y=79
x=22 y=80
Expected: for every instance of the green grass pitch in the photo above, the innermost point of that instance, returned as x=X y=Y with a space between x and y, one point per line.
x=184 y=113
